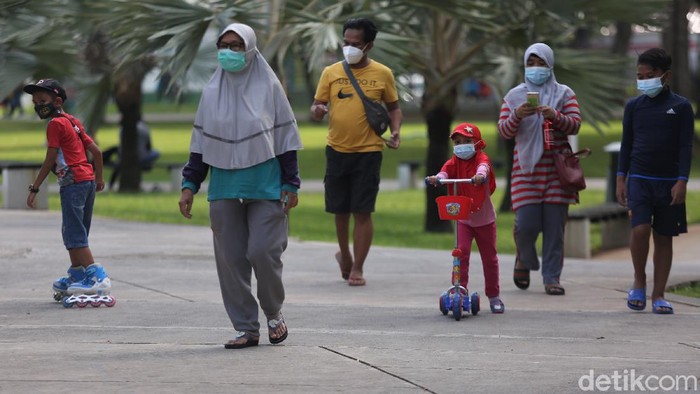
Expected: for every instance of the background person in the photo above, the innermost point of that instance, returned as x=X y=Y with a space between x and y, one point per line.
x=539 y=202
x=147 y=155
x=354 y=150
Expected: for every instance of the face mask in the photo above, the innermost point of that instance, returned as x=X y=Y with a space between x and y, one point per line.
x=537 y=75
x=44 y=110
x=651 y=87
x=230 y=60
x=464 y=151
x=353 y=55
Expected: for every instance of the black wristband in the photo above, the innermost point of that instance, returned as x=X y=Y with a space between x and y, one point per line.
x=33 y=189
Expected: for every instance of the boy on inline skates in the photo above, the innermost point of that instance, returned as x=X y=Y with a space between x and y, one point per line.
x=66 y=156
x=470 y=161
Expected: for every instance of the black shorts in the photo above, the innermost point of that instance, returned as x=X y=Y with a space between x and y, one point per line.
x=351 y=181
x=650 y=203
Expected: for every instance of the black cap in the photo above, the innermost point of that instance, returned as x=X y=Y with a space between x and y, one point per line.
x=49 y=85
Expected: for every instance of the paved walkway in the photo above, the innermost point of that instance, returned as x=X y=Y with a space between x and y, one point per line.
x=165 y=333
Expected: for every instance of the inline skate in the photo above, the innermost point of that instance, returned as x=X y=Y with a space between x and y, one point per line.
x=94 y=290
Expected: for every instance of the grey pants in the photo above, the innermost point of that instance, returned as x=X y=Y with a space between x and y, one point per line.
x=249 y=235
x=548 y=219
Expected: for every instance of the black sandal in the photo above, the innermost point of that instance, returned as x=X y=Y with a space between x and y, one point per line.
x=554 y=289
x=521 y=277
x=274 y=325
x=250 y=340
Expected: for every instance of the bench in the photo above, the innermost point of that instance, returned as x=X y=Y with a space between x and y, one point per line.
x=614 y=227
x=407 y=174
x=173 y=169
x=16 y=178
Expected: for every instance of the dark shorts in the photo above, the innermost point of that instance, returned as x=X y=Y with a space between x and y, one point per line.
x=351 y=181
x=650 y=203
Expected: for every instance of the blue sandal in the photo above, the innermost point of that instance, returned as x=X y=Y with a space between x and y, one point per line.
x=637 y=299
x=497 y=306
x=662 y=307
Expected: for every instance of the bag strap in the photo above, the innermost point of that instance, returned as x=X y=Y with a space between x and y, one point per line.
x=352 y=79
x=78 y=131
x=582 y=154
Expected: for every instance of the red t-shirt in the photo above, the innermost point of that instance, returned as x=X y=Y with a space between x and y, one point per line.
x=72 y=146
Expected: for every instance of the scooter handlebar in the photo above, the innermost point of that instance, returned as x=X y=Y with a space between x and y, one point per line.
x=450 y=181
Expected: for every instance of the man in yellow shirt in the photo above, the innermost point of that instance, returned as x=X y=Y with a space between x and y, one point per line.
x=354 y=150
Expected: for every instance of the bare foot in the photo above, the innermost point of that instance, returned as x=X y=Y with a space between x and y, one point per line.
x=356 y=279
x=344 y=268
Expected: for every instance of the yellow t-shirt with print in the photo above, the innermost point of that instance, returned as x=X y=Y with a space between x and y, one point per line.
x=348 y=130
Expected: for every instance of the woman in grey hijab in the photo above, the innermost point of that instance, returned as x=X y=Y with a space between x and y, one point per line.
x=245 y=136
x=540 y=203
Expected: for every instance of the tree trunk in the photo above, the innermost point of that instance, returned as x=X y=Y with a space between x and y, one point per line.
x=128 y=97
x=623 y=36
x=676 y=43
x=96 y=55
x=582 y=38
x=439 y=121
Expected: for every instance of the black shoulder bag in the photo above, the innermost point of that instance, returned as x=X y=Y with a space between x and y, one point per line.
x=377 y=116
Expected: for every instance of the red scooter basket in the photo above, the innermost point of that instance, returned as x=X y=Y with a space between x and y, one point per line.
x=454 y=207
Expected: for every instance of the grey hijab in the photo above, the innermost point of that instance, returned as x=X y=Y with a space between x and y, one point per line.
x=529 y=138
x=244 y=117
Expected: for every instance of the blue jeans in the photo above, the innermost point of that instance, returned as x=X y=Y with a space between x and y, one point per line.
x=77 y=201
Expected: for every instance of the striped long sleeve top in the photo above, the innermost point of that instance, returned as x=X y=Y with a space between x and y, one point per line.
x=541 y=186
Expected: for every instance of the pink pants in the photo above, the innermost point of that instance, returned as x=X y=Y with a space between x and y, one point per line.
x=485 y=237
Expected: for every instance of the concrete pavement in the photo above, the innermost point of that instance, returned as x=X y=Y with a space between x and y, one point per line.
x=165 y=333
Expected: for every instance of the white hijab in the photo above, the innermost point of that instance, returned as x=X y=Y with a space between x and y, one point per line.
x=244 y=117
x=529 y=139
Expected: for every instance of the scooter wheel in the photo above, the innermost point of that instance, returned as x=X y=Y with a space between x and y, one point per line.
x=443 y=308
x=457 y=307
x=476 y=300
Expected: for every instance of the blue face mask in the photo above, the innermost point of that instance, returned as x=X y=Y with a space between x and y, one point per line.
x=537 y=75
x=651 y=87
x=464 y=151
x=230 y=60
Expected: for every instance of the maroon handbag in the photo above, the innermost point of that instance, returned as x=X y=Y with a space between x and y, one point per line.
x=569 y=169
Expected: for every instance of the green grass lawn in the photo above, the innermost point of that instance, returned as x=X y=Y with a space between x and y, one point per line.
x=25 y=141
x=398 y=220
x=691 y=289
x=399 y=216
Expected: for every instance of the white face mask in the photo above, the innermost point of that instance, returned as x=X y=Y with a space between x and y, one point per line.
x=464 y=151
x=651 y=87
x=353 y=55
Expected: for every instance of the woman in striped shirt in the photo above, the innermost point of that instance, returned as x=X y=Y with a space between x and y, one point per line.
x=539 y=202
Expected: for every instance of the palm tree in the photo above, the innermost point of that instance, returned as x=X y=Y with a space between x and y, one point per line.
x=444 y=41
x=107 y=48
x=449 y=41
